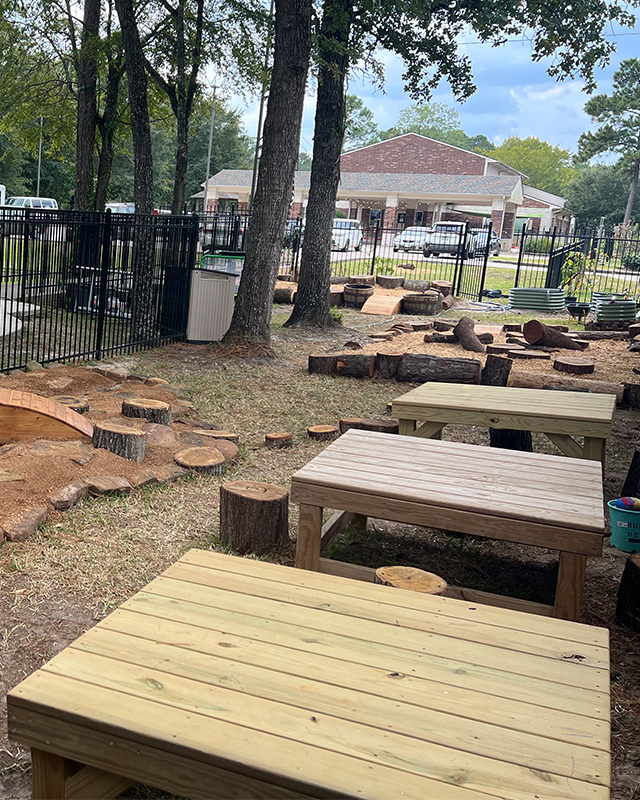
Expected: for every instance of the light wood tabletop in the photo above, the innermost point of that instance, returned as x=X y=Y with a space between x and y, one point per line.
x=531 y=498
x=426 y=410
x=232 y=678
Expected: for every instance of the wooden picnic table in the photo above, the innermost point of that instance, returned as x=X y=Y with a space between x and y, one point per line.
x=231 y=678
x=425 y=411
x=529 y=498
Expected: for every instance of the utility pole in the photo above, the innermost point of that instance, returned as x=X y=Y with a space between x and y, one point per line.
x=39 y=160
x=256 y=155
x=206 y=184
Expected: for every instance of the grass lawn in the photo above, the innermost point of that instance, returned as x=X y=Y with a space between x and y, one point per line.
x=86 y=562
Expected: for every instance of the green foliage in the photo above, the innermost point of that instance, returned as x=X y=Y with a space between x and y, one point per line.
x=385 y=266
x=630 y=261
x=360 y=127
x=546 y=167
x=599 y=191
x=577 y=273
x=537 y=244
x=336 y=314
x=304 y=161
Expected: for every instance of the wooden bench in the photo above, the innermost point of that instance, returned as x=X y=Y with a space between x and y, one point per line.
x=529 y=498
x=232 y=678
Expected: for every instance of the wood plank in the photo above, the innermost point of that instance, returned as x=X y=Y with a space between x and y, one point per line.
x=48 y=774
x=309 y=536
x=385 y=304
x=571 y=574
x=568 y=446
x=25 y=416
x=558 y=669
x=430 y=430
x=572 y=695
x=585 y=771
x=499 y=601
x=361 y=608
x=230 y=649
x=96 y=784
x=451 y=519
x=595 y=450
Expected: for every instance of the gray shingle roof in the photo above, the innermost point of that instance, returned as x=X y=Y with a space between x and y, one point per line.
x=391 y=182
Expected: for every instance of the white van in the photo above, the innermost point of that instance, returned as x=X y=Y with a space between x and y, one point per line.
x=32 y=202
x=346 y=232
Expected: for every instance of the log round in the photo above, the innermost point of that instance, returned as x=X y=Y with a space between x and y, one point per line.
x=380 y=425
x=228 y=435
x=323 y=433
x=531 y=355
x=254 y=517
x=285 y=294
x=126 y=442
x=78 y=404
x=323 y=364
x=503 y=349
x=496 y=371
x=369 y=280
x=442 y=326
x=206 y=460
x=444 y=287
x=416 y=580
x=440 y=338
x=357 y=294
x=574 y=366
x=386 y=364
x=512 y=326
x=346 y=423
x=535 y=332
x=144 y=408
x=280 y=440
x=419 y=367
x=465 y=334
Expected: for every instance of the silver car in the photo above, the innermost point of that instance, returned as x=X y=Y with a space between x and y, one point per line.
x=410 y=239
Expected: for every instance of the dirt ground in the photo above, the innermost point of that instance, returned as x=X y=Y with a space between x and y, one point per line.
x=81 y=565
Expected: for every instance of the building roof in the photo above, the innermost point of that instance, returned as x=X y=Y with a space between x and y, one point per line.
x=388 y=182
x=543 y=197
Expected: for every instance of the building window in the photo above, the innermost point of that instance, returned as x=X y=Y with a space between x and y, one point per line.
x=375 y=215
x=401 y=218
x=418 y=217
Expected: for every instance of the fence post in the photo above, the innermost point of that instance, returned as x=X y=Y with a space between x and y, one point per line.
x=105 y=263
x=25 y=255
x=375 y=248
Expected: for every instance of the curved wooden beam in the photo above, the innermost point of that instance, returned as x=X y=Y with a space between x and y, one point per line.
x=25 y=416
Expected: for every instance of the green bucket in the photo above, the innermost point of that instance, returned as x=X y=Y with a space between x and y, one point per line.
x=625 y=528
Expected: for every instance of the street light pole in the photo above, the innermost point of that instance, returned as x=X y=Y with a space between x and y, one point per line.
x=39 y=160
x=256 y=155
x=206 y=185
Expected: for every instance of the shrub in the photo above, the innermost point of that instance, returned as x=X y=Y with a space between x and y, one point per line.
x=537 y=244
x=631 y=261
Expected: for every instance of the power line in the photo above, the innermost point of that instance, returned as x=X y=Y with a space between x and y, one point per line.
x=523 y=40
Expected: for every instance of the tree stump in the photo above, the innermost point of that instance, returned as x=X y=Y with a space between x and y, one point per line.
x=254 y=517
x=390 y=281
x=442 y=326
x=387 y=336
x=422 y=326
x=631 y=486
x=530 y=354
x=228 y=435
x=496 y=373
x=151 y=410
x=631 y=396
x=285 y=294
x=356 y=365
x=346 y=423
x=281 y=440
x=416 y=580
x=323 y=433
x=78 y=404
x=444 y=287
x=536 y=332
x=205 y=460
x=323 y=364
x=512 y=326
x=503 y=349
x=129 y=443
x=440 y=338
x=628 y=607
x=465 y=334
x=574 y=366
x=386 y=364
x=380 y=425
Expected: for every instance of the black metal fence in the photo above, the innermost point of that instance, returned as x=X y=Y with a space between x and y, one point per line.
x=80 y=285
x=582 y=263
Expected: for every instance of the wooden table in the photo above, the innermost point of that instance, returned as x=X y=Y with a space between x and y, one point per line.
x=559 y=415
x=231 y=678
x=530 y=498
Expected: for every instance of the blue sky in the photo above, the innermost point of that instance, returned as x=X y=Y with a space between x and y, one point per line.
x=515 y=97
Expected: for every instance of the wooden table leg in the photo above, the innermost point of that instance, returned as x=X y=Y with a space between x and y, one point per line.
x=49 y=775
x=309 y=537
x=430 y=430
x=407 y=427
x=571 y=575
x=595 y=450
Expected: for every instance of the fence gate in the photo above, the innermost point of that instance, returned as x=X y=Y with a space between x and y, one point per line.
x=471 y=266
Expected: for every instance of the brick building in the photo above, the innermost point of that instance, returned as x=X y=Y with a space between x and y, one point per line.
x=414 y=180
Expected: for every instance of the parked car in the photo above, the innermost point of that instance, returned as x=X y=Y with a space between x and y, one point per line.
x=222 y=232
x=12 y=212
x=481 y=241
x=410 y=239
x=32 y=202
x=121 y=208
x=346 y=232
x=447 y=237
x=293 y=234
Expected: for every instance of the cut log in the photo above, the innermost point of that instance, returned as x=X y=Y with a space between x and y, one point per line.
x=323 y=364
x=628 y=607
x=387 y=364
x=416 y=580
x=582 y=342
x=412 y=285
x=531 y=355
x=496 y=371
x=465 y=334
x=503 y=349
x=206 y=460
x=418 y=368
x=380 y=425
x=631 y=396
x=369 y=280
x=356 y=365
x=634 y=330
x=602 y=335
x=631 y=486
x=440 y=338
x=574 y=366
x=512 y=326
x=285 y=294
x=485 y=338
x=323 y=433
x=535 y=380
x=387 y=336
x=254 y=517
x=442 y=326
x=447 y=302
x=228 y=435
x=78 y=404
x=444 y=287
x=126 y=442
x=535 y=332
x=539 y=347
x=281 y=440
x=346 y=423
x=422 y=326
x=151 y=410
x=390 y=281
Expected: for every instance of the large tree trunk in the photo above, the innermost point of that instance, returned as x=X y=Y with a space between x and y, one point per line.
x=252 y=313
x=313 y=303
x=87 y=106
x=107 y=124
x=632 y=191
x=496 y=373
x=139 y=109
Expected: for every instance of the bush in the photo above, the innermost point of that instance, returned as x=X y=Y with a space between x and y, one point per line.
x=631 y=261
x=537 y=244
